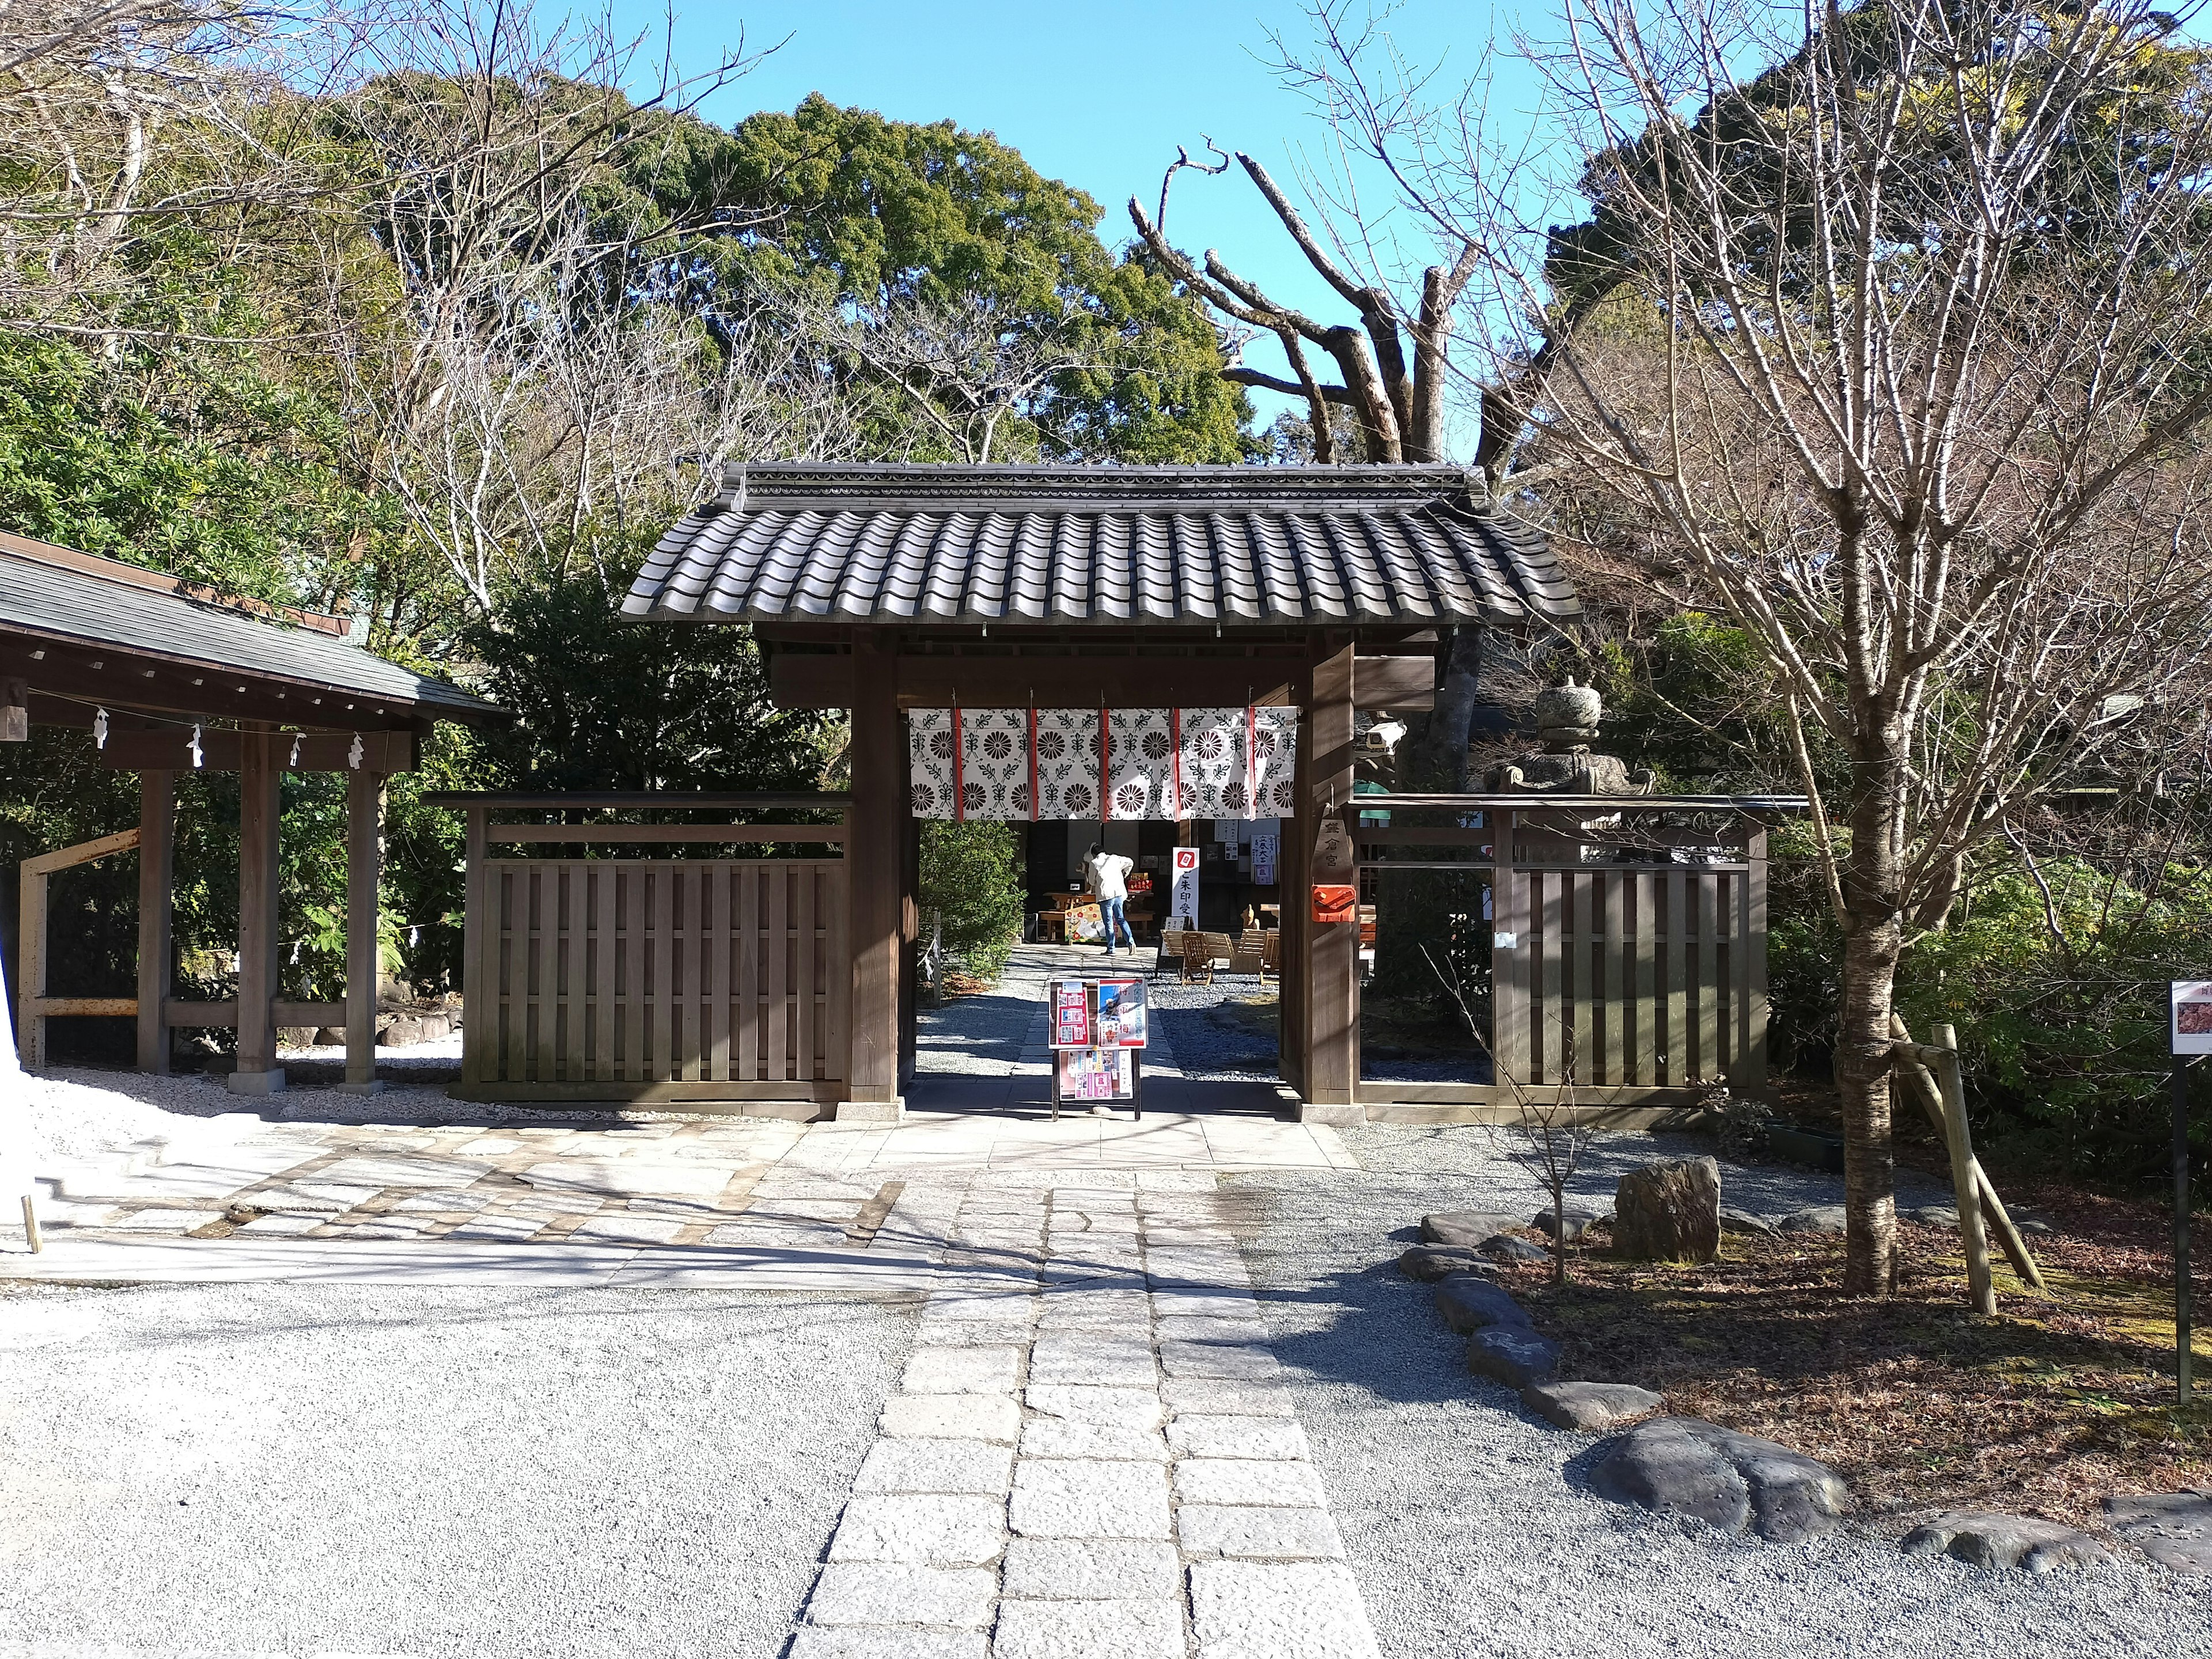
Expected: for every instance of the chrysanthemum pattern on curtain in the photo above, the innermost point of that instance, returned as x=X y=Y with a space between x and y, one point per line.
x=1160 y=763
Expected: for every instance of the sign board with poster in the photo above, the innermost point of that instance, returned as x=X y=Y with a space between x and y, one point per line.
x=1098 y=1027
x=2192 y=1016
x=1265 y=850
x=1182 y=898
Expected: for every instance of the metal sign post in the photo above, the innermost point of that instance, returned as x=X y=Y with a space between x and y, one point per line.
x=2189 y=1021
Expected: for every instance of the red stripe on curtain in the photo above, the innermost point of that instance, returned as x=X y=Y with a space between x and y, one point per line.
x=1105 y=768
x=959 y=789
x=1175 y=737
x=1251 y=761
x=1035 y=810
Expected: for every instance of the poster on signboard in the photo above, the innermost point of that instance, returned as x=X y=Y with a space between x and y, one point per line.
x=2192 y=1016
x=1071 y=1014
x=1122 y=1013
x=1095 y=1074
x=1265 y=848
x=1183 y=899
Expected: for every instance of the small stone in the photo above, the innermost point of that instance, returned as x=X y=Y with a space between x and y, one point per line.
x=886 y=1593
x=1590 y=1408
x=1513 y=1354
x=1684 y=1466
x=1468 y=1228
x=951 y=1417
x=1427 y=1263
x=2173 y=1529
x=1119 y=1629
x=1090 y=1500
x=1079 y=1403
x=923 y=1465
x=1098 y=1358
x=1246 y=1362
x=1744 y=1222
x=1983 y=1540
x=961 y=1371
x=1055 y=1436
x=1819 y=1218
x=1086 y=1570
x=1506 y=1248
x=1228 y=1481
x=1579 y=1221
x=1223 y=1397
x=1283 y=1534
x=1263 y=1610
x=1934 y=1215
x=935 y=1531
x=1469 y=1303
x=1236 y=1436
x=1669 y=1211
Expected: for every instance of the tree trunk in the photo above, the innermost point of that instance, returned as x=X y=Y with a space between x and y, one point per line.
x=1873 y=937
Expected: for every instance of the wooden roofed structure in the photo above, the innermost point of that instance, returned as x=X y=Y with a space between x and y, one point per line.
x=888 y=589
x=165 y=677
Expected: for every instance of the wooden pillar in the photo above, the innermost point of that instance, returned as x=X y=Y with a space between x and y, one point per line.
x=909 y=991
x=364 y=870
x=1332 y=967
x=157 y=862
x=874 y=832
x=259 y=805
x=480 y=956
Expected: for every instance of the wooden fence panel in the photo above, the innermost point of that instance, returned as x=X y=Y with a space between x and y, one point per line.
x=623 y=978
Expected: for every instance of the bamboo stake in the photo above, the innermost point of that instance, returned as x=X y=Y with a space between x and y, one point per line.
x=2009 y=1235
x=30 y=1226
x=1946 y=1049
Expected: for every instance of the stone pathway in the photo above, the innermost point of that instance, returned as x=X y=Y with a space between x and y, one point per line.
x=1100 y=1463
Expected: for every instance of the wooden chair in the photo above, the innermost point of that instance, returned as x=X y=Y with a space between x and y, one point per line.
x=1250 y=956
x=1192 y=944
x=1271 y=953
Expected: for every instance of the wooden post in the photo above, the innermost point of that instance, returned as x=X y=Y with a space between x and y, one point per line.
x=909 y=942
x=1962 y=1172
x=15 y=710
x=157 y=858
x=872 y=857
x=364 y=870
x=1922 y=1085
x=31 y=967
x=258 y=808
x=1750 y=1074
x=1332 y=1012
x=480 y=955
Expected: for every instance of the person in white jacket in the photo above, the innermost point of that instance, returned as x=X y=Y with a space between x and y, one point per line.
x=1108 y=877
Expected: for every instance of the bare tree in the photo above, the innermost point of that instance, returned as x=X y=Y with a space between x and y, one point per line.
x=1904 y=374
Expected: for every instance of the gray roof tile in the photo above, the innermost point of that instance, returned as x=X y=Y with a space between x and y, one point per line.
x=1262 y=545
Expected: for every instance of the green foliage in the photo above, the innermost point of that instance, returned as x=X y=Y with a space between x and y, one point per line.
x=971 y=881
x=862 y=210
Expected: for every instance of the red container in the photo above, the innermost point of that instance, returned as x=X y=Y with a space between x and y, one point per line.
x=1333 y=903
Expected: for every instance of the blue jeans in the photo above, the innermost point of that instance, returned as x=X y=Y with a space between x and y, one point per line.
x=1109 y=911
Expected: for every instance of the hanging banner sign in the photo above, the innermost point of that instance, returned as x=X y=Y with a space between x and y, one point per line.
x=1265 y=848
x=2192 y=1016
x=1182 y=898
x=1121 y=765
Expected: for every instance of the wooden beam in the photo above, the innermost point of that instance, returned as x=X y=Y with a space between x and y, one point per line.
x=157 y=855
x=85 y=852
x=170 y=747
x=259 y=807
x=118 y=679
x=364 y=870
x=1331 y=1065
x=84 y=1007
x=872 y=871
x=14 y=711
x=218 y=1016
x=588 y=835
x=817 y=680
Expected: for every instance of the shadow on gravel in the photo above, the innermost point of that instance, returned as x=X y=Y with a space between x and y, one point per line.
x=1385 y=1337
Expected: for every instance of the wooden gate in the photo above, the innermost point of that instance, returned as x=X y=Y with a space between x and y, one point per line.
x=697 y=980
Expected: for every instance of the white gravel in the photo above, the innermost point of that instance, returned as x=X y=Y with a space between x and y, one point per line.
x=1468 y=1522
x=387 y=1470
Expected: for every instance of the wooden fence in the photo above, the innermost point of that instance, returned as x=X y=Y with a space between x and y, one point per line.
x=1631 y=977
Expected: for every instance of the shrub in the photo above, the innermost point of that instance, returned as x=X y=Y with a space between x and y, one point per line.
x=971 y=879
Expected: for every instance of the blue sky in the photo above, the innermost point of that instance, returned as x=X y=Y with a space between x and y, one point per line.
x=1099 y=95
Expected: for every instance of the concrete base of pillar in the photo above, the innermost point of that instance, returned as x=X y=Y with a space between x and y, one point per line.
x=1342 y=1116
x=374 y=1086
x=870 y=1111
x=257 y=1083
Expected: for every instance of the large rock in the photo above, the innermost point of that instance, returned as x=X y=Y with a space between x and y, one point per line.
x=1428 y=1262
x=2173 y=1529
x=1983 y=1539
x=1744 y=1222
x=1513 y=1354
x=1685 y=1465
x=1466 y=1227
x=1506 y=1248
x=1669 y=1211
x=1578 y=1220
x=1590 y=1408
x=1469 y=1303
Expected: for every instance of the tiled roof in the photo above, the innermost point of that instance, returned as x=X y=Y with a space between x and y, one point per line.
x=1099 y=545
x=56 y=594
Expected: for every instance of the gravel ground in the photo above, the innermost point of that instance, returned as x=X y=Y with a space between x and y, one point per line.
x=428 y=1472
x=1469 y=1524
